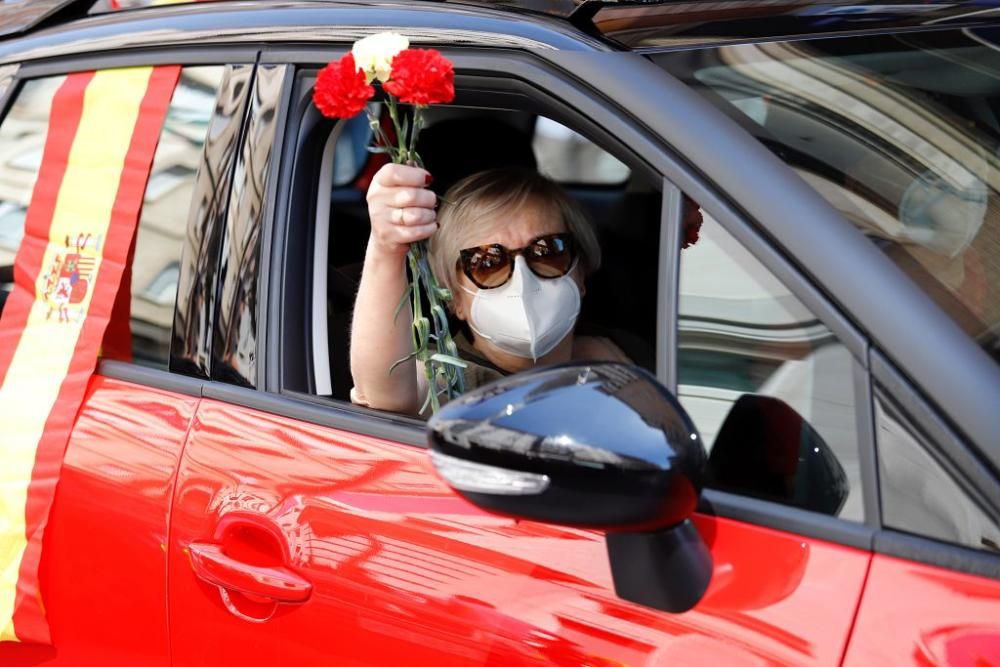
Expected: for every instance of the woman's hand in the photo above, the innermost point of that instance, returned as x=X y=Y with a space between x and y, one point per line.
x=401 y=209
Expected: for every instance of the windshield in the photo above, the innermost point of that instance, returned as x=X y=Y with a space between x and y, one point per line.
x=901 y=133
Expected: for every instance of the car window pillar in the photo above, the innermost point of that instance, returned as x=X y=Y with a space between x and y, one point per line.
x=195 y=312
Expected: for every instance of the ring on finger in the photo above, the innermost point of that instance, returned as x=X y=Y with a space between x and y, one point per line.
x=397 y=215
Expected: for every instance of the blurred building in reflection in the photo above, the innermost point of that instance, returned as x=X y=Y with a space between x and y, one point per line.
x=163 y=220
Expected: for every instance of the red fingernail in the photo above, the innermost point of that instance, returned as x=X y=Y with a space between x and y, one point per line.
x=428 y=179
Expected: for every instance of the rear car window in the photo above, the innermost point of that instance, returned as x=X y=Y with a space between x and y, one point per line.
x=900 y=133
x=22 y=140
x=153 y=274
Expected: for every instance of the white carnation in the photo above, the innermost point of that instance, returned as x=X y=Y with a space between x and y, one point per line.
x=373 y=55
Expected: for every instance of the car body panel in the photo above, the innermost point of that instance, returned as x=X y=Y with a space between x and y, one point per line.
x=103 y=569
x=405 y=571
x=915 y=614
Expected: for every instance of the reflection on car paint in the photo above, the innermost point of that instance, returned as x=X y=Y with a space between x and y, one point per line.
x=407 y=571
x=948 y=618
x=106 y=540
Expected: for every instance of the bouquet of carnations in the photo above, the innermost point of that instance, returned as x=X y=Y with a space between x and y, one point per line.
x=416 y=77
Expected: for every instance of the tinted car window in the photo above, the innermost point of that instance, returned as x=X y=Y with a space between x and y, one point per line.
x=155 y=269
x=918 y=495
x=768 y=385
x=900 y=133
x=22 y=140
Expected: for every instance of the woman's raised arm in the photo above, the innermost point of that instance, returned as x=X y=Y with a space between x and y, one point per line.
x=401 y=211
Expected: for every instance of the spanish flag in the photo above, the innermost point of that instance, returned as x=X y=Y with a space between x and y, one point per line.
x=103 y=130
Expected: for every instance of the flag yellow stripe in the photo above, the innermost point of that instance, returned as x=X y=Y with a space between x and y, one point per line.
x=41 y=361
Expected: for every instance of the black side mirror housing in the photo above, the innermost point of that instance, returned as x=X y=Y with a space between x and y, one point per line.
x=601 y=446
x=767 y=450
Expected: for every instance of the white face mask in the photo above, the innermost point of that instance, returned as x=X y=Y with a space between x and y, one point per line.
x=528 y=316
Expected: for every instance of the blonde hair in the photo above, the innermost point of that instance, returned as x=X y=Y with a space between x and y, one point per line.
x=483 y=195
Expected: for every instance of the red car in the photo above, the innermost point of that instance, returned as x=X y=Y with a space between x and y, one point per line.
x=802 y=467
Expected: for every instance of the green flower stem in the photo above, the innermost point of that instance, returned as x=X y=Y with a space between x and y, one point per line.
x=442 y=367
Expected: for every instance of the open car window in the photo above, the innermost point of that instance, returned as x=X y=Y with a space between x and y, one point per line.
x=620 y=301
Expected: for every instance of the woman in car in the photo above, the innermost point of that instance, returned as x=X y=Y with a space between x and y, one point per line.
x=513 y=249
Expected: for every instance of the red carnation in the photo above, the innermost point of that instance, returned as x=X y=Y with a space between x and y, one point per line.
x=692 y=222
x=341 y=90
x=422 y=77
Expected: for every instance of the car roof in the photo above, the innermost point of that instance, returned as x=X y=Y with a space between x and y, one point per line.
x=615 y=24
x=254 y=22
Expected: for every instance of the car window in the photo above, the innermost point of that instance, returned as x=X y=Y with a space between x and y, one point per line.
x=918 y=494
x=22 y=140
x=619 y=304
x=901 y=133
x=153 y=274
x=768 y=385
x=566 y=156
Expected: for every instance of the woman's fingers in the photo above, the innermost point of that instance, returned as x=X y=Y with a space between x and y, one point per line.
x=411 y=216
x=400 y=208
x=407 y=235
x=401 y=176
x=404 y=197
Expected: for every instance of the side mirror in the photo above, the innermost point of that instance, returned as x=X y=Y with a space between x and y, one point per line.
x=767 y=450
x=601 y=446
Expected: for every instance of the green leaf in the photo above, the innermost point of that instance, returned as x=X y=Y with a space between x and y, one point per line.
x=402 y=302
x=440 y=318
x=408 y=357
x=448 y=359
x=377 y=149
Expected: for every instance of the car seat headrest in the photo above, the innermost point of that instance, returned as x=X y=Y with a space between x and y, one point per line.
x=455 y=148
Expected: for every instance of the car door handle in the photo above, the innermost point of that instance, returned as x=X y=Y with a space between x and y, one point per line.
x=280 y=584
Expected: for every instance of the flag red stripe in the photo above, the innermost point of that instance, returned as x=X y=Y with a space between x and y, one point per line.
x=29 y=618
x=64 y=119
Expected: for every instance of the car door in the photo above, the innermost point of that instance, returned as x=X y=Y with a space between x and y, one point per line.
x=103 y=558
x=306 y=531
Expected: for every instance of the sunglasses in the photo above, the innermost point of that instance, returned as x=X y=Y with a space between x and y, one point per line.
x=490 y=266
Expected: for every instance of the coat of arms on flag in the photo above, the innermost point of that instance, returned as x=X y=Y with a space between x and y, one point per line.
x=69 y=277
